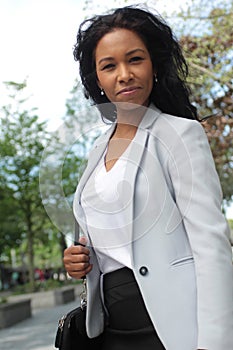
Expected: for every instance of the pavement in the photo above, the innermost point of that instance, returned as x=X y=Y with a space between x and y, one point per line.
x=37 y=332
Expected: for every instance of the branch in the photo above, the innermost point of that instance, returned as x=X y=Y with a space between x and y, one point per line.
x=200 y=17
x=208 y=72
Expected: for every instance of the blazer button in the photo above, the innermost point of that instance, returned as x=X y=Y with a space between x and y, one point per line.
x=143 y=270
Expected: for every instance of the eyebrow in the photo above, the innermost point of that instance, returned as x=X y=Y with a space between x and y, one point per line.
x=127 y=54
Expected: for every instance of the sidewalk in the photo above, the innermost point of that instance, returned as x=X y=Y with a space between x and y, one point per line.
x=37 y=332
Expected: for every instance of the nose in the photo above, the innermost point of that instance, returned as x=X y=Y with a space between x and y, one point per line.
x=124 y=73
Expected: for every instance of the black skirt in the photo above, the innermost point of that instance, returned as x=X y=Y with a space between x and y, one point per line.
x=128 y=324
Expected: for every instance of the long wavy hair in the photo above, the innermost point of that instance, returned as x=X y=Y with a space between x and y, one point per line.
x=170 y=93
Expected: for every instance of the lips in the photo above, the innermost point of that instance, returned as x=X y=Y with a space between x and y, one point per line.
x=128 y=90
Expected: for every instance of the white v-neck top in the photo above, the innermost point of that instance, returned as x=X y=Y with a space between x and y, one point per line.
x=107 y=214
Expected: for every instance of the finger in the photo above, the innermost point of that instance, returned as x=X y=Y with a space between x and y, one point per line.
x=80 y=274
x=82 y=267
x=78 y=266
x=76 y=258
x=76 y=249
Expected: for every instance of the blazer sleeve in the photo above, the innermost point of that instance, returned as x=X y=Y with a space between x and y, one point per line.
x=198 y=196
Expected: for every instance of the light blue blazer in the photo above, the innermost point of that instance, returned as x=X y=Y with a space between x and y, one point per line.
x=179 y=235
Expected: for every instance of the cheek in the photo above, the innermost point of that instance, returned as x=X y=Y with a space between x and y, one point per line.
x=150 y=80
x=101 y=80
x=149 y=74
x=98 y=78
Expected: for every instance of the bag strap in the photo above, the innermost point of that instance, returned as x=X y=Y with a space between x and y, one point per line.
x=76 y=232
x=83 y=294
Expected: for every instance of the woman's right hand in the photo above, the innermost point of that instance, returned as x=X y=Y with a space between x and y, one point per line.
x=77 y=260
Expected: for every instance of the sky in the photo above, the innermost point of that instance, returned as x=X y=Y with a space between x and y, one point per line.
x=37 y=37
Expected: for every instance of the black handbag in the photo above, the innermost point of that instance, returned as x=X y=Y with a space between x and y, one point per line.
x=71 y=332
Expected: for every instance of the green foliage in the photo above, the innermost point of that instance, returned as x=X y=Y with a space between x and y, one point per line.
x=208 y=50
x=22 y=140
x=43 y=286
x=230 y=221
x=3 y=300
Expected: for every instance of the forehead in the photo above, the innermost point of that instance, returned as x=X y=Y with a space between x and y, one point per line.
x=119 y=39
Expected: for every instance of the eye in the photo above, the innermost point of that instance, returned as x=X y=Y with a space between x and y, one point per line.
x=136 y=59
x=108 y=66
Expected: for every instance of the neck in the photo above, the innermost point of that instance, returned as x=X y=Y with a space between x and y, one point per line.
x=124 y=131
x=130 y=117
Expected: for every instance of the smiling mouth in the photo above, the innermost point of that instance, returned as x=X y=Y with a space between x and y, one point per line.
x=128 y=91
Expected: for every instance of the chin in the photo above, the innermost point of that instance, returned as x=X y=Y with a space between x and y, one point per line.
x=129 y=106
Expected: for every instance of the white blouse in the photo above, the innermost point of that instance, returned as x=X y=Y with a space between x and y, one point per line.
x=107 y=215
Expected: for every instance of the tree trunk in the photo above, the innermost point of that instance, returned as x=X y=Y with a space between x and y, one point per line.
x=31 y=261
x=30 y=250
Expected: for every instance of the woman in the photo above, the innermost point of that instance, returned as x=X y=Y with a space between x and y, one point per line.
x=155 y=247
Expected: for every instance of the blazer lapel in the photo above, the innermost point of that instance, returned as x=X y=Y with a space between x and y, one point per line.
x=138 y=147
x=128 y=185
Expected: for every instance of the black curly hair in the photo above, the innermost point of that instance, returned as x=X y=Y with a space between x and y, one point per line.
x=170 y=93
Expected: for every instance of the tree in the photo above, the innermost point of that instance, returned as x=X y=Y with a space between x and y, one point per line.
x=9 y=218
x=208 y=49
x=22 y=139
x=231 y=231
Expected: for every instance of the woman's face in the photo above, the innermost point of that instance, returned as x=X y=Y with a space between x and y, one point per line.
x=124 y=67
